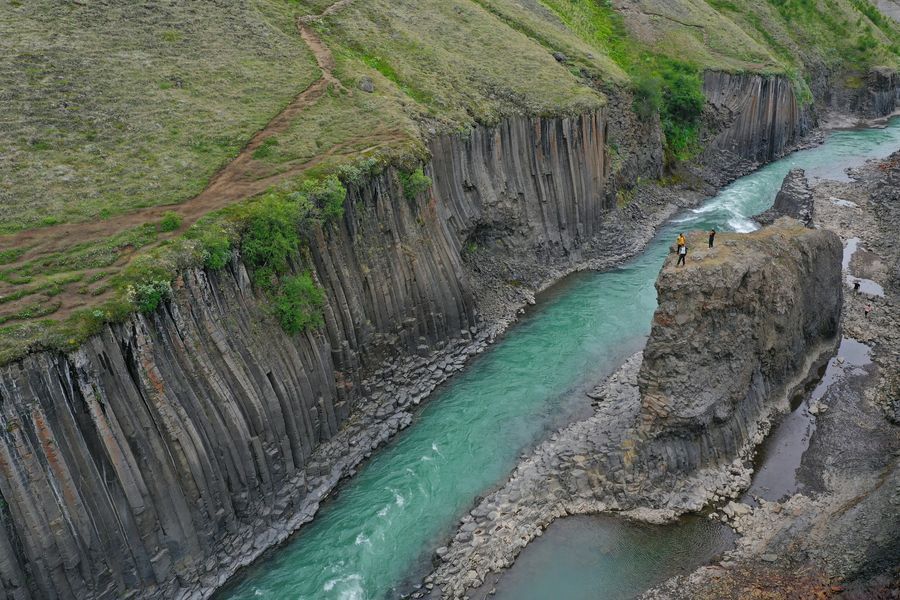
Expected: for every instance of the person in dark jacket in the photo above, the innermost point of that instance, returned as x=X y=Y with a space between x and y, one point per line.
x=712 y=237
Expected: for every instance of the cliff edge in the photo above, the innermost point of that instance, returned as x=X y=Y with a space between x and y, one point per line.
x=737 y=323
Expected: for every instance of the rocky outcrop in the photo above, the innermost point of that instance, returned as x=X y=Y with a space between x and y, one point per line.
x=794 y=199
x=889 y=7
x=738 y=330
x=735 y=330
x=870 y=95
x=751 y=119
x=171 y=449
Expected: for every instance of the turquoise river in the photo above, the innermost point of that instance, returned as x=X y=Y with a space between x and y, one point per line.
x=375 y=538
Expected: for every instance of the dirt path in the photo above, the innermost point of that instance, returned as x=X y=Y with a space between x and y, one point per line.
x=233 y=182
x=240 y=179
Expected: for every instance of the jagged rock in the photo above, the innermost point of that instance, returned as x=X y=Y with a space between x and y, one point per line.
x=794 y=199
x=560 y=57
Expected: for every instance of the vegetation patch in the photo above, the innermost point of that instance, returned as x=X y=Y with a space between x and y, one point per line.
x=414 y=183
x=170 y=221
x=298 y=303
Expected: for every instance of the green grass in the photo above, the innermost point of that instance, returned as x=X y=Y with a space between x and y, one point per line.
x=112 y=106
x=117 y=106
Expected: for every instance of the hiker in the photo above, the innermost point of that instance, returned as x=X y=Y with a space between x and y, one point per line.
x=680 y=242
x=712 y=237
x=868 y=309
x=682 y=254
x=856 y=285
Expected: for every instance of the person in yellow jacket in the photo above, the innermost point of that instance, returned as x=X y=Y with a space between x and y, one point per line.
x=682 y=250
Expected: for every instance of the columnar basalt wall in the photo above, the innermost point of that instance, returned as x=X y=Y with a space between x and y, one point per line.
x=758 y=118
x=531 y=184
x=173 y=448
x=870 y=95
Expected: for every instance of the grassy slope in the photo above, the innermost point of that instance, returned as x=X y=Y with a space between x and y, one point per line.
x=126 y=106
x=108 y=108
x=840 y=34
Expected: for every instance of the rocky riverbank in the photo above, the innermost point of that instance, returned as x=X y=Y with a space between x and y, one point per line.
x=836 y=537
x=737 y=331
x=174 y=448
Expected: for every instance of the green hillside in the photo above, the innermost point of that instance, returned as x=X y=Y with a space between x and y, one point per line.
x=116 y=116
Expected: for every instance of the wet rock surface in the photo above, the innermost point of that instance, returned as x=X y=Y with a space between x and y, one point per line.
x=750 y=317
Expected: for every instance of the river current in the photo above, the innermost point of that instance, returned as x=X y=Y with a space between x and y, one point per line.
x=377 y=536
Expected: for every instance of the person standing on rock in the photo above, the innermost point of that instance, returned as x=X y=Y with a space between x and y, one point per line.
x=680 y=242
x=712 y=237
x=682 y=254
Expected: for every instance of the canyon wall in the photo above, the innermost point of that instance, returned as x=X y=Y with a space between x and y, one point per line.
x=173 y=448
x=751 y=119
x=870 y=95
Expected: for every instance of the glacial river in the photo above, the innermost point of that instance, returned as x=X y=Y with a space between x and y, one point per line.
x=377 y=536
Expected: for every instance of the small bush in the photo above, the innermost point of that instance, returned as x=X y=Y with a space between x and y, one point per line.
x=170 y=221
x=147 y=297
x=327 y=195
x=271 y=237
x=357 y=172
x=216 y=250
x=414 y=183
x=298 y=304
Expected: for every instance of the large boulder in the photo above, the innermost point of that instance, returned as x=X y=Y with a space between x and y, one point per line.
x=738 y=327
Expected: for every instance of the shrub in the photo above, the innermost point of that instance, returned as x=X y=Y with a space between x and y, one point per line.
x=414 y=183
x=298 y=304
x=147 y=296
x=327 y=195
x=271 y=237
x=216 y=250
x=170 y=221
x=356 y=172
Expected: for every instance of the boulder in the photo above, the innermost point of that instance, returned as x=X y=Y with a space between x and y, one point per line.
x=366 y=84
